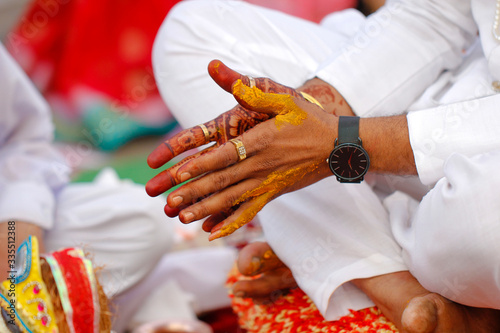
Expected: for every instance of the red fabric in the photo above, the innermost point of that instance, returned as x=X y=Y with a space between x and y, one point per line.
x=222 y=321
x=104 y=46
x=295 y=312
x=79 y=290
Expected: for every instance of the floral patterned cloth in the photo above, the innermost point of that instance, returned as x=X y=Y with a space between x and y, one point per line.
x=295 y=312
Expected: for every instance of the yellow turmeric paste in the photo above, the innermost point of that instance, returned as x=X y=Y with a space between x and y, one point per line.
x=216 y=67
x=282 y=105
x=287 y=112
x=260 y=196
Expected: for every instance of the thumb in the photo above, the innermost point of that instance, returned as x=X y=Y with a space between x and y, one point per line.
x=255 y=95
x=224 y=76
x=256 y=100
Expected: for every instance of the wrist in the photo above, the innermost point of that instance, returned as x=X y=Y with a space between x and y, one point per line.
x=387 y=141
x=22 y=231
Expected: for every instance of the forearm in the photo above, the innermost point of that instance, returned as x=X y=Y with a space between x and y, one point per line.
x=387 y=142
x=386 y=139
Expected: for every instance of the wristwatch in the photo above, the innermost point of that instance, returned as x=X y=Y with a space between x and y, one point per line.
x=348 y=161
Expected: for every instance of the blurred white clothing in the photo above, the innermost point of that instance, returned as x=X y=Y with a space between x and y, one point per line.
x=122 y=228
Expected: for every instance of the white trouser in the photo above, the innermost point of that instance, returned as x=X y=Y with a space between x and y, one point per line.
x=331 y=233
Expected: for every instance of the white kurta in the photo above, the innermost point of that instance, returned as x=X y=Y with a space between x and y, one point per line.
x=411 y=55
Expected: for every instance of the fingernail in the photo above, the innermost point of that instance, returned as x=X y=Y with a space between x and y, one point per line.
x=185 y=176
x=217 y=227
x=255 y=264
x=177 y=200
x=187 y=217
x=214 y=235
x=239 y=294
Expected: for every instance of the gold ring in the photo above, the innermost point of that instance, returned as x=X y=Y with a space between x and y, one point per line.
x=205 y=132
x=311 y=99
x=240 y=149
x=251 y=81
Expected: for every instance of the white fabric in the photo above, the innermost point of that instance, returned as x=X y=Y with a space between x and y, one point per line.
x=450 y=239
x=409 y=44
x=123 y=229
x=330 y=233
x=31 y=170
x=200 y=274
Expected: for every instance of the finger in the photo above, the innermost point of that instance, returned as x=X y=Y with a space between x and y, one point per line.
x=270 y=103
x=269 y=284
x=213 y=220
x=244 y=214
x=183 y=141
x=210 y=182
x=256 y=258
x=217 y=159
x=225 y=77
x=234 y=122
x=218 y=202
x=171 y=212
x=170 y=177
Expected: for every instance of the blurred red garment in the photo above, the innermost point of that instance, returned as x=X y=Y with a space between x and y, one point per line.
x=77 y=51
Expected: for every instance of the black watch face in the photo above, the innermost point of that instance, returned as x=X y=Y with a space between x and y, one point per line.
x=349 y=162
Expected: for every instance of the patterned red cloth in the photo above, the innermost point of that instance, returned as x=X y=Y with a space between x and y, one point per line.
x=295 y=312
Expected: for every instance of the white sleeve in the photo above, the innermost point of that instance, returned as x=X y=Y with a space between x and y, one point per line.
x=400 y=51
x=468 y=128
x=31 y=169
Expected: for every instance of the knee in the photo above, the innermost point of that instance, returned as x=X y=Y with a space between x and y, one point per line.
x=455 y=248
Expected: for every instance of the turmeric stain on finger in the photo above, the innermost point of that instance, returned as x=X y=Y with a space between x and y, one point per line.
x=257 y=198
x=281 y=105
x=286 y=112
x=216 y=68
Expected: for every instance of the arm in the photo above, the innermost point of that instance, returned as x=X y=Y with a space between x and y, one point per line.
x=285 y=153
x=399 y=52
x=11 y=237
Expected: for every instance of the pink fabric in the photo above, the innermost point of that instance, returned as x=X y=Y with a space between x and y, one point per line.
x=313 y=10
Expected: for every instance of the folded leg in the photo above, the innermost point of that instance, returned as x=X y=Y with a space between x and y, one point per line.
x=450 y=240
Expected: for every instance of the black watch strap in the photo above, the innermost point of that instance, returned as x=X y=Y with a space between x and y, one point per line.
x=348 y=130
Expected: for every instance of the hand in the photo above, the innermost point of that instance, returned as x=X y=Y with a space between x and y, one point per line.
x=21 y=232
x=285 y=153
x=275 y=278
x=227 y=126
